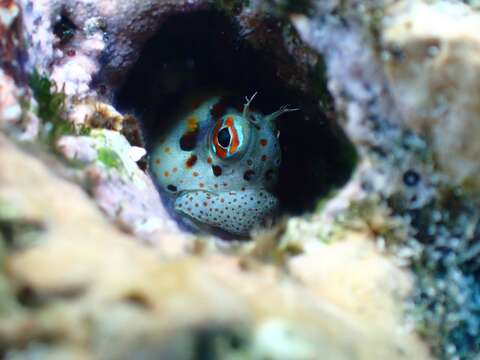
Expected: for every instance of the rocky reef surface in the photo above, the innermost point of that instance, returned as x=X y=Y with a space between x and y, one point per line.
x=375 y=255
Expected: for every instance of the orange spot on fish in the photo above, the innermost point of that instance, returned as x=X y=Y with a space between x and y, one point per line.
x=202 y=185
x=263 y=142
x=209 y=160
x=157 y=161
x=195 y=173
x=174 y=169
x=264 y=157
x=192 y=124
x=167 y=150
x=166 y=173
x=191 y=161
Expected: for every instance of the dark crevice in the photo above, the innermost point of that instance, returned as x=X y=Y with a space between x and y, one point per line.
x=203 y=52
x=64 y=29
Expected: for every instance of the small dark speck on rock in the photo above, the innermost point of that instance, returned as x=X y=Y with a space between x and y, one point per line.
x=411 y=178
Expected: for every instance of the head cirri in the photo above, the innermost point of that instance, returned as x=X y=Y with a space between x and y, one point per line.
x=219 y=165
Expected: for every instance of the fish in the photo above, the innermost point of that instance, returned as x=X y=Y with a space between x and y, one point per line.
x=219 y=164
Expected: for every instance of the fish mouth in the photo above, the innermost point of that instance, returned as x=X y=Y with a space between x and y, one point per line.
x=195 y=190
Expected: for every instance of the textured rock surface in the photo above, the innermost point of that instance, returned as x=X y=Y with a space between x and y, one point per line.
x=388 y=84
x=82 y=290
x=89 y=256
x=440 y=41
x=107 y=36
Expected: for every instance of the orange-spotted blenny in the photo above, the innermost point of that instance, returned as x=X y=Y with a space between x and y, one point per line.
x=220 y=164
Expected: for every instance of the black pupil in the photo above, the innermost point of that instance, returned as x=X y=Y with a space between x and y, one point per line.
x=224 y=137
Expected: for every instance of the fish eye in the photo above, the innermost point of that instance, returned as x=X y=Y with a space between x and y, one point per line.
x=228 y=138
x=224 y=137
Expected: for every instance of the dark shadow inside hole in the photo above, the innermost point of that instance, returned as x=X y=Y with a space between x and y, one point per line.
x=204 y=51
x=64 y=29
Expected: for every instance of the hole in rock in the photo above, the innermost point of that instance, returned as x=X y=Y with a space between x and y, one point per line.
x=64 y=29
x=204 y=53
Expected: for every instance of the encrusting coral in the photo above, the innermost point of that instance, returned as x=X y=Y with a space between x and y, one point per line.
x=385 y=267
x=420 y=164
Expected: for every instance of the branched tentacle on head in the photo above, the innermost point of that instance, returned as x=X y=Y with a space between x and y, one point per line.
x=246 y=110
x=246 y=107
x=283 y=110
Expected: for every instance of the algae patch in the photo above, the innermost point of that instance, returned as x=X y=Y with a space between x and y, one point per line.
x=50 y=105
x=109 y=158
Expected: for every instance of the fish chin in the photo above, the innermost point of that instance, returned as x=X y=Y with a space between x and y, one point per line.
x=235 y=212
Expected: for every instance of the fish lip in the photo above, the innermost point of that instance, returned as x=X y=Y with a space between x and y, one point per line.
x=186 y=191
